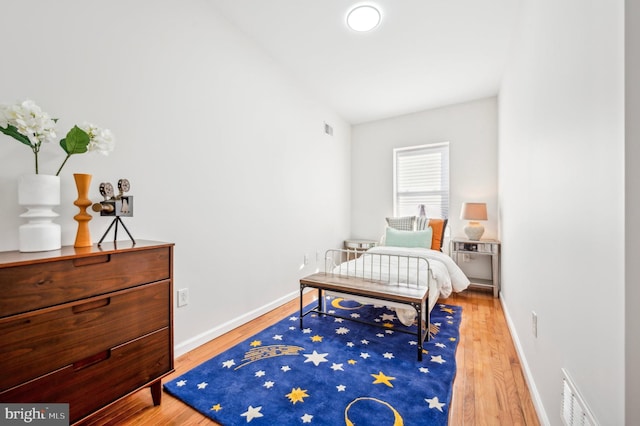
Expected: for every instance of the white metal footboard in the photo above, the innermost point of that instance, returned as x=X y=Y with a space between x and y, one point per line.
x=392 y=269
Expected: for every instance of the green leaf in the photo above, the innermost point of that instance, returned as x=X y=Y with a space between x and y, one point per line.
x=13 y=132
x=76 y=142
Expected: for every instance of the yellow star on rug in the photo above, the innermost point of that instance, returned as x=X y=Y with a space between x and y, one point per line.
x=316 y=338
x=216 y=407
x=352 y=361
x=296 y=395
x=382 y=378
x=256 y=343
x=447 y=310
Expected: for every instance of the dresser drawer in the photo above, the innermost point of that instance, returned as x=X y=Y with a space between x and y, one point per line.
x=38 y=285
x=93 y=385
x=42 y=341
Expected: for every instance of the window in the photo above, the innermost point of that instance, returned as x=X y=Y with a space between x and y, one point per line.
x=421 y=176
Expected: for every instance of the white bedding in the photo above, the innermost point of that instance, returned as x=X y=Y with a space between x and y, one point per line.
x=443 y=276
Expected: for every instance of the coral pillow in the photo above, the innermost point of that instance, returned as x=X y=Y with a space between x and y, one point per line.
x=438 y=226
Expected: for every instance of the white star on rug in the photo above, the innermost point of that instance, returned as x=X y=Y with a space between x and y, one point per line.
x=380 y=335
x=277 y=337
x=228 y=364
x=181 y=383
x=441 y=345
x=202 y=385
x=423 y=369
x=437 y=359
x=389 y=331
x=341 y=388
x=338 y=320
x=388 y=355
x=260 y=373
x=306 y=331
x=364 y=341
x=388 y=317
x=364 y=355
x=342 y=330
x=413 y=342
x=252 y=413
x=336 y=367
x=355 y=315
x=285 y=368
x=306 y=418
x=293 y=318
x=316 y=358
x=269 y=384
x=434 y=403
x=350 y=344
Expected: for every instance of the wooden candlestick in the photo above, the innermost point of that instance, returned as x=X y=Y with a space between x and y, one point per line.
x=83 y=236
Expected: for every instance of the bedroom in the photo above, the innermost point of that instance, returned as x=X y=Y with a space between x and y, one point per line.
x=190 y=97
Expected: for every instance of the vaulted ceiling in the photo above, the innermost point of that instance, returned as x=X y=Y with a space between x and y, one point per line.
x=423 y=54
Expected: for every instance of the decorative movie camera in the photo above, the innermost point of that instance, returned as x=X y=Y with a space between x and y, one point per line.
x=116 y=206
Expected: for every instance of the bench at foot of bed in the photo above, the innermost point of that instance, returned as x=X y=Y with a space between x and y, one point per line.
x=415 y=297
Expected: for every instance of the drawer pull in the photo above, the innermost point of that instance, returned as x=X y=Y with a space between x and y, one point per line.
x=93 y=359
x=91 y=305
x=92 y=260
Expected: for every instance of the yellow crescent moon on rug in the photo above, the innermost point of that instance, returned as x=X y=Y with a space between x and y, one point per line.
x=336 y=304
x=397 y=418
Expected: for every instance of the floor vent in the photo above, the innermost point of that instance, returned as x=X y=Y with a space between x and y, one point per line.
x=574 y=411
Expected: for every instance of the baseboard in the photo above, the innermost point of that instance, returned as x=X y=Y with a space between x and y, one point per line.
x=535 y=395
x=202 y=338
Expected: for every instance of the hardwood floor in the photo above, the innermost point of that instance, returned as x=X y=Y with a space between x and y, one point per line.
x=489 y=388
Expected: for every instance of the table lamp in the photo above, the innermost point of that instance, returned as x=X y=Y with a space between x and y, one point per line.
x=474 y=212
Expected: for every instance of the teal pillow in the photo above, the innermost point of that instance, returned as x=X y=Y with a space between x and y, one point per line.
x=398 y=238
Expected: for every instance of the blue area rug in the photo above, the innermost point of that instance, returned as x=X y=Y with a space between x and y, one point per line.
x=333 y=372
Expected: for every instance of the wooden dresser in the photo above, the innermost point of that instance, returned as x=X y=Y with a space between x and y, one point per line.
x=86 y=326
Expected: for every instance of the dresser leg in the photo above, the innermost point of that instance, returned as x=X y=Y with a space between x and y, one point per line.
x=156 y=392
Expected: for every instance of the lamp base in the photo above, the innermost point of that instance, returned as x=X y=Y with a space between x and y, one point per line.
x=474 y=231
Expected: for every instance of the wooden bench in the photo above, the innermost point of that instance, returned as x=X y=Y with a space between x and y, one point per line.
x=416 y=297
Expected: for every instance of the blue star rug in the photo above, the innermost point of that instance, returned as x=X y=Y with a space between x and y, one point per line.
x=332 y=372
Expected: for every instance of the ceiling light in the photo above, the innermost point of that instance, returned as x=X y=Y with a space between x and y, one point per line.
x=363 y=18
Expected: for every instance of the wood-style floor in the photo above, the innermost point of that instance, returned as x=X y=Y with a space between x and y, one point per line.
x=489 y=388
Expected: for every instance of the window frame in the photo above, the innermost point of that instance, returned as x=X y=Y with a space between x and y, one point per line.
x=444 y=172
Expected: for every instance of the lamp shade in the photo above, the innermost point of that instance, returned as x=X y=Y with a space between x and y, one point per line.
x=473 y=211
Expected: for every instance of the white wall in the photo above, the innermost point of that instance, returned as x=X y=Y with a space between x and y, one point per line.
x=471 y=130
x=561 y=167
x=632 y=210
x=226 y=156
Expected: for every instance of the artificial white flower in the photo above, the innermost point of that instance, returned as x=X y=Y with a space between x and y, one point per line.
x=30 y=121
x=100 y=140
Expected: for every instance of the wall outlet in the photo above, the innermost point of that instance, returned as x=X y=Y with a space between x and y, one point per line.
x=183 y=297
x=534 y=323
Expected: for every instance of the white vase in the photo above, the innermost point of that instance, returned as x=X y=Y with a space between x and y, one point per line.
x=39 y=194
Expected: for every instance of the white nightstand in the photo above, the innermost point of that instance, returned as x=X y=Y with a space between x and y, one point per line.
x=461 y=246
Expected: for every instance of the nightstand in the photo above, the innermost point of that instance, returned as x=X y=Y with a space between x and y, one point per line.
x=461 y=246
x=359 y=246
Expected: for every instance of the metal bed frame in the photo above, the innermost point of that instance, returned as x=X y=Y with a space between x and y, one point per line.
x=385 y=283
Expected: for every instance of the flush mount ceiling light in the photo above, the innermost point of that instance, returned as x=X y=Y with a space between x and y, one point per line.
x=363 y=18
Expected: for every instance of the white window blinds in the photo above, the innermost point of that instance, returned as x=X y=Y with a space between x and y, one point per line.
x=421 y=176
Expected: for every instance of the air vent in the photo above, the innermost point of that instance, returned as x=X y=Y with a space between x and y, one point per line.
x=328 y=129
x=573 y=409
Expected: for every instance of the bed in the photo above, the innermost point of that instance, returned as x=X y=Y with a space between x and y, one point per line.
x=407 y=274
